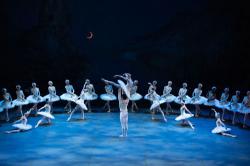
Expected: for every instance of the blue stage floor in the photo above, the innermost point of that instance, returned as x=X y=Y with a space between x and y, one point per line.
x=95 y=141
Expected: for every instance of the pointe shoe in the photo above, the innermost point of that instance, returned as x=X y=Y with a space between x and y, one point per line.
x=68 y=119
x=121 y=136
x=165 y=120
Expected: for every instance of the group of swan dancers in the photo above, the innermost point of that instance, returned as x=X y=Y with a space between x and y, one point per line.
x=127 y=91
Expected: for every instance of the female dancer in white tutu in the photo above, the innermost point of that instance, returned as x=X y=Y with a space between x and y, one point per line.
x=220 y=126
x=69 y=95
x=80 y=105
x=108 y=96
x=223 y=103
x=182 y=95
x=20 y=101
x=134 y=96
x=23 y=126
x=88 y=93
x=211 y=97
x=155 y=107
x=46 y=114
x=197 y=99
x=245 y=107
x=35 y=97
x=127 y=77
x=168 y=96
x=123 y=105
x=184 y=116
x=234 y=105
x=52 y=97
x=152 y=91
x=7 y=103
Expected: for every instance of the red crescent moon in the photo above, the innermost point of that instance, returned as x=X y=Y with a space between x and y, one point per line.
x=89 y=35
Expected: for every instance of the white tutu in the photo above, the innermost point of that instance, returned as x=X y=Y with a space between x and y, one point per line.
x=6 y=105
x=81 y=103
x=211 y=103
x=220 y=129
x=51 y=98
x=22 y=126
x=169 y=98
x=198 y=101
x=150 y=97
x=222 y=105
x=124 y=88
x=108 y=97
x=34 y=100
x=156 y=103
x=135 y=97
x=234 y=107
x=69 y=97
x=183 y=116
x=243 y=109
x=89 y=96
x=46 y=114
x=186 y=99
x=19 y=102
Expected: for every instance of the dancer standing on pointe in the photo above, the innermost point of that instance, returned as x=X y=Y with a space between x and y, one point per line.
x=108 y=96
x=134 y=96
x=23 y=126
x=123 y=105
x=7 y=103
x=197 y=99
x=80 y=105
x=182 y=95
x=20 y=100
x=245 y=107
x=88 y=93
x=52 y=97
x=69 y=95
x=46 y=115
x=168 y=96
x=223 y=103
x=184 y=116
x=220 y=126
x=155 y=107
x=35 y=97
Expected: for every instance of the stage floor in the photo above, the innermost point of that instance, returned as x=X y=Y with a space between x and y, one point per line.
x=96 y=141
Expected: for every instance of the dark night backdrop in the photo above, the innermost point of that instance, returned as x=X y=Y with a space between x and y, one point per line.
x=194 y=41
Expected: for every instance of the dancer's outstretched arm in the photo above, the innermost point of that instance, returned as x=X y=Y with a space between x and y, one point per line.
x=187 y=109
x=42 y=107
x=111 y=82
x=120 y=76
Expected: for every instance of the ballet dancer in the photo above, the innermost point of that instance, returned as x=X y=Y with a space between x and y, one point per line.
x=168 y=96
x=108 y=96
x=152 y=91
x=20 y=100
x=220 y=126
x=182 y=95
x=197 y=99
x=88 y=93
x=234 y=105
x=155 y=107
x=23 y=126
x=35 y=97
x=123 y=105
x=80 y=105
x=46 y=115
x=7 y=103
x=134 y=96
x=184 y=116
x=52 y=97
x=245 y=107
x=128 y=78
x=211 y=97
x=223 y=103
x=69 y=95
